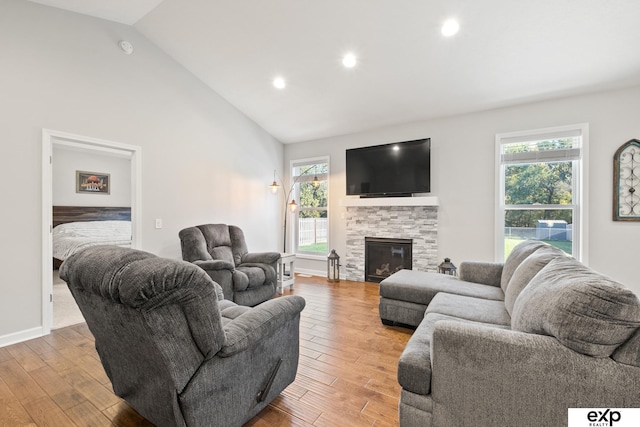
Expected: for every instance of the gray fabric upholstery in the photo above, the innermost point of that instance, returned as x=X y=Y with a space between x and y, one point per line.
x=488 y=376
x=414 y=366
x=469 y=363
x=484 y=273
x=221 y=250
x=527 y=269
x=172 y=348
x=402 y=312
x=414 y=410
x=470 y=308
x=629 y=352
x=518 y=254
x=420 y=287
x=404 y=295
x=585 y=311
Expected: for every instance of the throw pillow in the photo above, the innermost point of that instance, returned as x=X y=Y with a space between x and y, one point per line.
x=584 y=310
x=526 y=271
x=517 y=255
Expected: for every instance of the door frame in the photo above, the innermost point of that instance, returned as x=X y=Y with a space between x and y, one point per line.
x=49 y=139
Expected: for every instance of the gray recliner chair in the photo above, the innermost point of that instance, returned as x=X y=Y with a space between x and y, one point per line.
x=220 y=250
x=173 y=347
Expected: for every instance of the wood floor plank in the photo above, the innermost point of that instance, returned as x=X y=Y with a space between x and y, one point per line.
x=45 y=412
x=4 y=355
x=57 y=388
x=346 y=372
x=123 y=415
x=298 y=409
x=26 y=357
x=92 y=390
x=87 y=415
x=272 y=417
x=94 y=368
x=12 y=413
x=23 y=387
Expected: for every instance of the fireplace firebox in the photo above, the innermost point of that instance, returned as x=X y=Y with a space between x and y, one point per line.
x=383 y=257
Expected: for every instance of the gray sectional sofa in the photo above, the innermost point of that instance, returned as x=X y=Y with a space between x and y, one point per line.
x=514 y=344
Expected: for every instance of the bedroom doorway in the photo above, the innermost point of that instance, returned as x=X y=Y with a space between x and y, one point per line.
x=54 y=143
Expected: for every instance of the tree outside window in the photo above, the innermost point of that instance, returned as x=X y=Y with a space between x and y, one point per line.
x=540 y=190
x=312 y=224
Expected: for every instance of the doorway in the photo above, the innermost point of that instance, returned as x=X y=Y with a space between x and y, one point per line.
x=60 y=140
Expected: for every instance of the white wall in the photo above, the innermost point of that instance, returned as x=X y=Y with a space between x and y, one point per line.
x=65 y=164
x=202 y=160
x=463 y=175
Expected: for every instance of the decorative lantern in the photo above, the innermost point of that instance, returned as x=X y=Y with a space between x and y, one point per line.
x=447 y=267
x=333 y=267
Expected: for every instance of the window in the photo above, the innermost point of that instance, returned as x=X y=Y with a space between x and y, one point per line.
x=311 y=189
x=542 y=189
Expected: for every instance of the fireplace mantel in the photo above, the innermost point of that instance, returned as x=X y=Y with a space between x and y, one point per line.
x=389 y=201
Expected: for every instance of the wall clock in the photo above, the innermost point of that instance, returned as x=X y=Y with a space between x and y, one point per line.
x=626 y=182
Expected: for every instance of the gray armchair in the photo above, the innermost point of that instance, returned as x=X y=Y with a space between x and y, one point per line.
x=220 y=250
x=173 y=348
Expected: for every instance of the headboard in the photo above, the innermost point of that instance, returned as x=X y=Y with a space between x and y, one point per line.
x=65 y=214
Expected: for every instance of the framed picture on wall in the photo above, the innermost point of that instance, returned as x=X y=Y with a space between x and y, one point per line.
x=93 y=182
x=626 y=182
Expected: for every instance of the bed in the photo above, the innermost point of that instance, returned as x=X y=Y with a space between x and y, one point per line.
x=78 y=227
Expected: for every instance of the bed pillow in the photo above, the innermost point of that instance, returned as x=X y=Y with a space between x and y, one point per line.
x=584 y=310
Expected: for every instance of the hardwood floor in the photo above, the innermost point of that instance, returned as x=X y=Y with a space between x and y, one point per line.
x=346 y=375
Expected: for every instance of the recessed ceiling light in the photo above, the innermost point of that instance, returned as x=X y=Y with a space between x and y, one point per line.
x=279 y=83
x=349 y=60
x=450 y=28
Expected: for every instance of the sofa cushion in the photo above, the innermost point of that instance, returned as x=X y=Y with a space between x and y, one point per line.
x=470 y=308
x=629 y=352
x=518 y=254
x=414 y=366
x=526 y=271
x=584 y=310
x=420 y=287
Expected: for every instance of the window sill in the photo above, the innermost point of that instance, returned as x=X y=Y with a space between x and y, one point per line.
x=310 y=256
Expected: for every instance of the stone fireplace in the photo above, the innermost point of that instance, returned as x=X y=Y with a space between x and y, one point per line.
x=412 y=218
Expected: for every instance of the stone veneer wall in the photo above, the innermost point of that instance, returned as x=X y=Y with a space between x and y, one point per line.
x=419 y=223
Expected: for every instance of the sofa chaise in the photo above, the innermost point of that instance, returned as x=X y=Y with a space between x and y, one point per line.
x=514 y=344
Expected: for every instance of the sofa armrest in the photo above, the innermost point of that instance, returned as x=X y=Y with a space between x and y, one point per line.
x=484 y=375
x=214 y=265
x=261 y=257
x=261 y=321
x=486 y=273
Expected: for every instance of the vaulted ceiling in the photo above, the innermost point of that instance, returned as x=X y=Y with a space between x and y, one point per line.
x=506 y=53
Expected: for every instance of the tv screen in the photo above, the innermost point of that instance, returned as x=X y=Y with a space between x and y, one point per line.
x=397 y=169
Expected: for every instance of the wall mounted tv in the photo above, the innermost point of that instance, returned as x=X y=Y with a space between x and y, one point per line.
x=397 y=169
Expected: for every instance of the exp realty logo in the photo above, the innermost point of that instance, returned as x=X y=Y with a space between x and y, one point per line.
x=604 y=417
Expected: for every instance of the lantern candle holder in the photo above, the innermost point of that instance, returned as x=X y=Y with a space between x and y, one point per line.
x=333 y=267
x=447 y=267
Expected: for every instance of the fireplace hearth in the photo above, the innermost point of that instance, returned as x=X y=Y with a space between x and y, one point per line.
x=384 y=256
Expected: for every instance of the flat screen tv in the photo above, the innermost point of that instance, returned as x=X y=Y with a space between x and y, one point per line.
x=397 y=169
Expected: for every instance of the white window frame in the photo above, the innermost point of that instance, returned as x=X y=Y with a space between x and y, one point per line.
x=296 y=195
x=580 y=202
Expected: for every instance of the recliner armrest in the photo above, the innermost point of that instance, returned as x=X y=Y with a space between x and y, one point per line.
x=485 y=273
x=261 y=321
x=261 y=257
x=214 y=265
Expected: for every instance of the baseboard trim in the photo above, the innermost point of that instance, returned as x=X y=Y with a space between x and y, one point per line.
x=16 y=337
x=318 y=273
